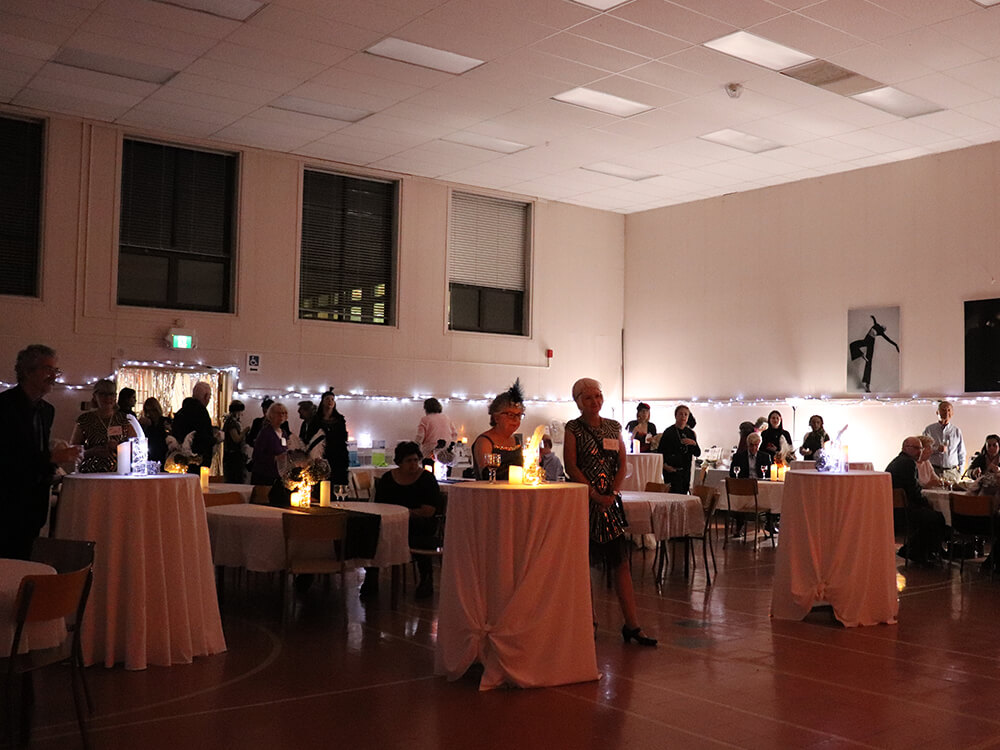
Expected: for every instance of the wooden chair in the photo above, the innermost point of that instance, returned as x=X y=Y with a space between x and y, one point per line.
x=361 y=481
x=709 y=497
x=214 y=499
x=973 y=519
x=216 y=479
x=41 y=598
x=901 y=518
x=259 y=495
x=657 y=487
x=314 y=544
x=742 y=501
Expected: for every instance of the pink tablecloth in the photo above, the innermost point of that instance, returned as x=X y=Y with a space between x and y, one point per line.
x=39 y=635
x=642 y=468
x=664 y=515
x=836 y=546
x=515 y=586
x=153 y=600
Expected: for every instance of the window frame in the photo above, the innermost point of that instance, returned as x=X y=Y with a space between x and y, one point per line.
x=34 y=265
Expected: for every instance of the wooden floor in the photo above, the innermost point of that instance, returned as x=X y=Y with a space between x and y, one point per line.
x=358 y=675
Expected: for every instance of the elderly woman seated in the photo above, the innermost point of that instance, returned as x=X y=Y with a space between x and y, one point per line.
x=925 y=471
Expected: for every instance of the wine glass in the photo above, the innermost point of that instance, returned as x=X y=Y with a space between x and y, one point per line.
x=736 y=471
x=341 y=491
x=493 y=461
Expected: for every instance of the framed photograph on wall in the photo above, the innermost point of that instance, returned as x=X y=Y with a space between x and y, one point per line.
x=982 y=345
x=873 y=350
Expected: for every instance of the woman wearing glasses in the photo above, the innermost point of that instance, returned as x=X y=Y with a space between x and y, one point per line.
x=506 y=412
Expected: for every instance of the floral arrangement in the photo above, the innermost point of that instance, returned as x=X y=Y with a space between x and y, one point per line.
x=301 y=471
x=987 y=484
x=785 y=453
x=180 y=455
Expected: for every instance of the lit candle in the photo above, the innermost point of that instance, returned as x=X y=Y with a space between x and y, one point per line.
x=204 y=478
x=516 y=475
x=635 y=446
x=774 y=471
x=124 y=458
x=324 y=494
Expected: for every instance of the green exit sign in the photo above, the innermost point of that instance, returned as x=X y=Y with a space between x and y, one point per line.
x=181 y=341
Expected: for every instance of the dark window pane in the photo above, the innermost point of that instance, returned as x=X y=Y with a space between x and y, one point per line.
x=501 y=311
x=142 y=279
x=199 y=283
x=464 y=308
x=20 y=205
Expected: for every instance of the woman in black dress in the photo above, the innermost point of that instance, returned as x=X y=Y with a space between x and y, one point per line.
x=330 y=428
x=506 y=412
x=770 y=439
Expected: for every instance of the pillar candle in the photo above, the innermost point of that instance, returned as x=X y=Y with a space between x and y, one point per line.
x=774 y=471
x=324 y=494
x=636 y=448
x=124 y=458
x=204 y=478
x=516 y=475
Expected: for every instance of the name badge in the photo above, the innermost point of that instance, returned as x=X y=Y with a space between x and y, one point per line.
x=610 y=444
x=115 y=431
x=284 y=442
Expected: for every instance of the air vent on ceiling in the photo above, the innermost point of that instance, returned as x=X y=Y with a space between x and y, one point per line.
x=831 y=77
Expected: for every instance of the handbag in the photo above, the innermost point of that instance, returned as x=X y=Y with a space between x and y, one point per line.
x=607 y=524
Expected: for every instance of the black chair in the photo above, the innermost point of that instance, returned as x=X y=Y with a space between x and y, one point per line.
x=709 y=497
x=973 y=519
x=901 y=519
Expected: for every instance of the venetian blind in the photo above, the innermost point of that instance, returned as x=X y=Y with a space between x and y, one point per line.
x=487 y=241
x=20 y=205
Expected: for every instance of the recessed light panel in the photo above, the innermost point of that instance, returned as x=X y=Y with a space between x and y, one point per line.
x=598 y=100
x=617 y=170
x=608 y=4
x=897 y=102
x=114 y=66
x=319 y=109
x=987 y=3
x=743 y=141
x=238 y=10
x=758 y=50
x=484 y=141
x=426 y=57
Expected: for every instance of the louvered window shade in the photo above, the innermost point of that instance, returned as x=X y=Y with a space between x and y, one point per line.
x=487 y=260
x=20 y=205
x=176 y=230
x=348 y=249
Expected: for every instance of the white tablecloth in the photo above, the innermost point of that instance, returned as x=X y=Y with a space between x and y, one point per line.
x=515 y=586
x=938 y=500
x=769 y=494
x=245 y=490
x=153 y=600
x=836 y=546
x=664 y=515
x=251 y=536
x=38 y=635
x=811 y=466
x=642 y=468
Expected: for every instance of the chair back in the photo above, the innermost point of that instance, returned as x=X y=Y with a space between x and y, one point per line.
x=972 y=514
x=50 y=597
x=213 y=499
x=304 y=535
x=216 y=479
x=362 y=482
x=898 y=498
x=259 y=495
x=657 y=487
x=702 y=475
x=705 y=494
x=741 y=493
x=65 y=555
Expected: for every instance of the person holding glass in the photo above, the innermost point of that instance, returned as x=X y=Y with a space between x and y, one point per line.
x=101 y=429
x=987 y=461
x=814 y=441
x=506 y=412
x=326 y=437
x=594 y=455
x=770 y=438
x=640 y=428
x=271 y=443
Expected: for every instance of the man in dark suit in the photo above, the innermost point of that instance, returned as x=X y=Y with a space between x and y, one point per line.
x=27 y=464
x=752 y=463
x=193 y=417
x=927 y=527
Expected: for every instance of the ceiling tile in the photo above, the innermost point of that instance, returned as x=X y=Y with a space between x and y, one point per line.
x=239 y=75
x=293 y=23
x=168 y=16
x=859 y=17
x=636 y=91
x=393 y=70
x=673 y=78
x=881 y=64
x=288 y=46
x=949 y=91
x=673 y=20
x=123 y=28
x=629 y=36
x=263 y=134
x=741 y=15
x=931 y=48
x=979 y=30
x=984 y=76
x=806 y=35
x=588 y=52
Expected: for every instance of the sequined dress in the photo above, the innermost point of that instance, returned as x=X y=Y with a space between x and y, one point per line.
x=600 y=466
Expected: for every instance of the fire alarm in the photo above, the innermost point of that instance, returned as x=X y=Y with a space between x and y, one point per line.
x=548 y=354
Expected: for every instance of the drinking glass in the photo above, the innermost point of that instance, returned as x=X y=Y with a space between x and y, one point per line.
x=493 y=461
x=341 y=491
x=736 y=471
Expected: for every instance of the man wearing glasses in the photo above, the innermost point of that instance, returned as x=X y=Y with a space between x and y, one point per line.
x=926 y=524
x=27 y=464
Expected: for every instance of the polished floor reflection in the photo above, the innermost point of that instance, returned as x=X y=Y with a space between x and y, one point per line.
x=358 y=675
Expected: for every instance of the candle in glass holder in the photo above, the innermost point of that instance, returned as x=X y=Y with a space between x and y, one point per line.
x=124 y=458
x=774 y=471
x=324 y=494
x=516 y=475
x=204 y=478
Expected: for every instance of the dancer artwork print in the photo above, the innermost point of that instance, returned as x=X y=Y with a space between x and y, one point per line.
x=873 y=351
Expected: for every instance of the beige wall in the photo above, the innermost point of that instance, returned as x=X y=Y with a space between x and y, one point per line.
x=576 y=296
x=747 y=295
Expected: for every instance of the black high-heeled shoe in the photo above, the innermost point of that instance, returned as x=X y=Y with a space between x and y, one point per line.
x=635 y=634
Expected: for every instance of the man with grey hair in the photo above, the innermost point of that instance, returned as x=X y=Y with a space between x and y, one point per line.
x=948 y=455
x=193 y=417
x=27 y=463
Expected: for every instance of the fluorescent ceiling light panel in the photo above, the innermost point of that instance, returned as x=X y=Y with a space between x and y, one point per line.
x=113 y=66
x=238 y=10
x=426 y=57
x=319 y=109
x=609 y=4
x=743 y=141
x=896 y=102
x=987 y=3
x=598 y=100
x=617 y=170
x=758 y=50
x=487 y=142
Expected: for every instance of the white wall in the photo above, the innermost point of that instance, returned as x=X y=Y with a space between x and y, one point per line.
x=576 y=305
x=747 y=295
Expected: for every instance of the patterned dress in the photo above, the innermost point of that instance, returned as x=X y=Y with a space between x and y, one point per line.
x=600 y=466
x=96 y=432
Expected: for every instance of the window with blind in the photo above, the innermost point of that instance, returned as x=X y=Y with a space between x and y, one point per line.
x=20 y=205
x=175 y=245
x=348 y=249
x=487 y=264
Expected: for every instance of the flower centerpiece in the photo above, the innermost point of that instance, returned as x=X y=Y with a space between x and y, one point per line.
x=531 y=458
x=299 y=475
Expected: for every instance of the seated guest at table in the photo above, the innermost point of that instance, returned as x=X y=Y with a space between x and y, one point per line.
x=641 y=428
x=434 y=426
x=927 y=527
x=156 y=427
x=746 y=428
x=925 y=472
x=753 y=462
x=679 y=445
x=814 y=439
x=550 y=462
x=987 y=461
x=770 y=438
x=595 y=456
x=411 y=486
x=327 y=438
x=234 y=463
x=307 y=410
x=506 y=412
x=100 y=431
x=193 y=417
x=271 y=443
x=27 y=464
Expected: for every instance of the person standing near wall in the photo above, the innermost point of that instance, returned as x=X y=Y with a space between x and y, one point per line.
x=948 y=454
